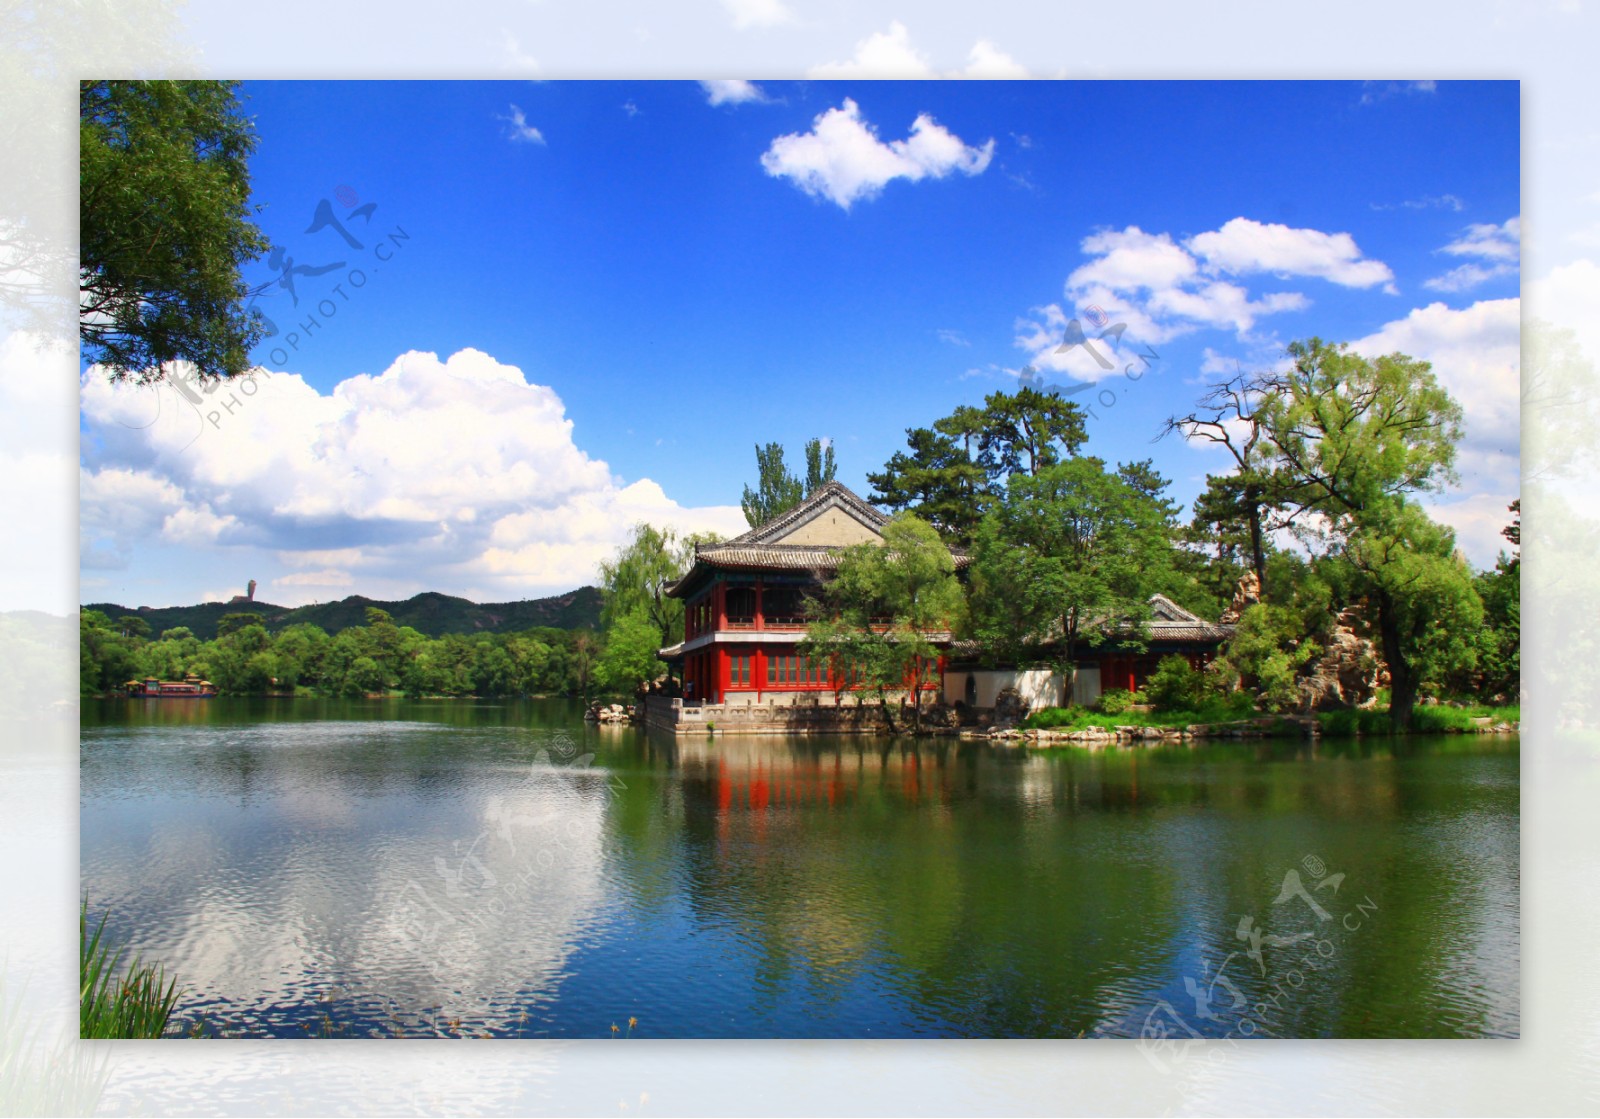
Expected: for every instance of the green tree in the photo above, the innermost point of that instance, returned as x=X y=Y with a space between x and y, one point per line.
x=877 y=612
x=629 y=659
x=365 y=677
x=1348 y=439
x=1267 y=651
x=952 y=471
x=1064 y=559
x=106 y=658
x=230 y=623
x=635 y=579
x=1026 y=431
x=1429 y=613
x=938 y=479
x=1175 y=685
x=820 y=467
x=1246 y=502
x=582 y=654
x=164 y=196
x=133 y=626
x=777 y=490
x=1499 y=660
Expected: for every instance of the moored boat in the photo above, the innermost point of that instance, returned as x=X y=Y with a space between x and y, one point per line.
x=190 y=687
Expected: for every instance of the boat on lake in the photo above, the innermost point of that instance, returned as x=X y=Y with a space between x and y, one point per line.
x=190 y=687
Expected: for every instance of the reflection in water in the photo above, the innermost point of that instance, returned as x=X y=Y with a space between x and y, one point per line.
x=466 y=870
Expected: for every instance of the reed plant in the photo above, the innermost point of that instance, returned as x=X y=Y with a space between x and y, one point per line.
x=135 y=1000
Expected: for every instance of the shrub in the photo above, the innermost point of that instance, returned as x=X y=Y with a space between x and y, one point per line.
x=1176 y=685
x=1050 y=717
x=1114 y=701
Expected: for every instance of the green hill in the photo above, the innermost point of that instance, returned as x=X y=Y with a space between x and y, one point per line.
x=430 y=613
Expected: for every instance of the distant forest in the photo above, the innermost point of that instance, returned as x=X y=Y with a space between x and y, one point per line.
x=431 y=614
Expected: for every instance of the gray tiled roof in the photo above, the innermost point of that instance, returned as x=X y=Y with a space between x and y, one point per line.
x=753 y=549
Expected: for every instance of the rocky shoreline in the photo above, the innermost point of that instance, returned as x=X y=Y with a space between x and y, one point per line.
x=1263 y=727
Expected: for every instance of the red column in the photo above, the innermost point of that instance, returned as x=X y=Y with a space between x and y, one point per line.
x=724 y=665
x=760 y=618
x=720 y=596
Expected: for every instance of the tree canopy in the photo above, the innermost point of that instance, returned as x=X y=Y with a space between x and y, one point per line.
x=876 y=613
x=165 y=220
x=1066 y=558
x=777 y=489
x=952 y=471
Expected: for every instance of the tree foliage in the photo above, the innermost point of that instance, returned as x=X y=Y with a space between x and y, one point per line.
x=876 y=612
x=951 y=472
x=165 y=220
x=360 y=660
x=1065 y=559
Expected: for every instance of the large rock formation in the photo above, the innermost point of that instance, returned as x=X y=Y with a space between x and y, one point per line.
x=1009 y=708
x=1350 y=670
x=1245 y=595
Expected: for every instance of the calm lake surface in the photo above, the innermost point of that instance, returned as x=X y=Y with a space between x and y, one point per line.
x=392 y=868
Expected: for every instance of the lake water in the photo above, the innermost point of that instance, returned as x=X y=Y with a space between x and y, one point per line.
x=390 y=868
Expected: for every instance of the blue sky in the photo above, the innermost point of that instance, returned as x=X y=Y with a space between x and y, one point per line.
x=649 y=277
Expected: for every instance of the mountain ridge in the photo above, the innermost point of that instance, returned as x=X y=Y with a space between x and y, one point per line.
x=430 y=612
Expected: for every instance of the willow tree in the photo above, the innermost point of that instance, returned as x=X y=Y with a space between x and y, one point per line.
x=1349 y=441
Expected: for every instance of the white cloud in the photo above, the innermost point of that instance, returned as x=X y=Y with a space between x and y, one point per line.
x=954 y=337
x=1131 y=259
x=516 y=57
x=890 y=54
x=1466 y=276
x=1566 y=298
x=455 y=475
x=1476 y=354
x=988 y=61
x=758 y=13
x=326 y=577
x=1154 y=289
x=521 y=131
x=1489 y=241
x=884 y=54
x=1500 y=246
x=1243 y=246
x=842 y=159
x=733 y=91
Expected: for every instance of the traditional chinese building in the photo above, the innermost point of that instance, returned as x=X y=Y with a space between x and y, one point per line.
x=1171 y=630
x=744 y=604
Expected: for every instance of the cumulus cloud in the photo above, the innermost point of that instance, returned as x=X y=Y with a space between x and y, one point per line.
x=520 y=131
x=1243 y=246
x=454 y=475
x=988 y=61
x=842 y=159
x=734 y=91
x=758 y=13
x=890 y=54
x=1151 y=287
x=884 y=54
x=1567 y=297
